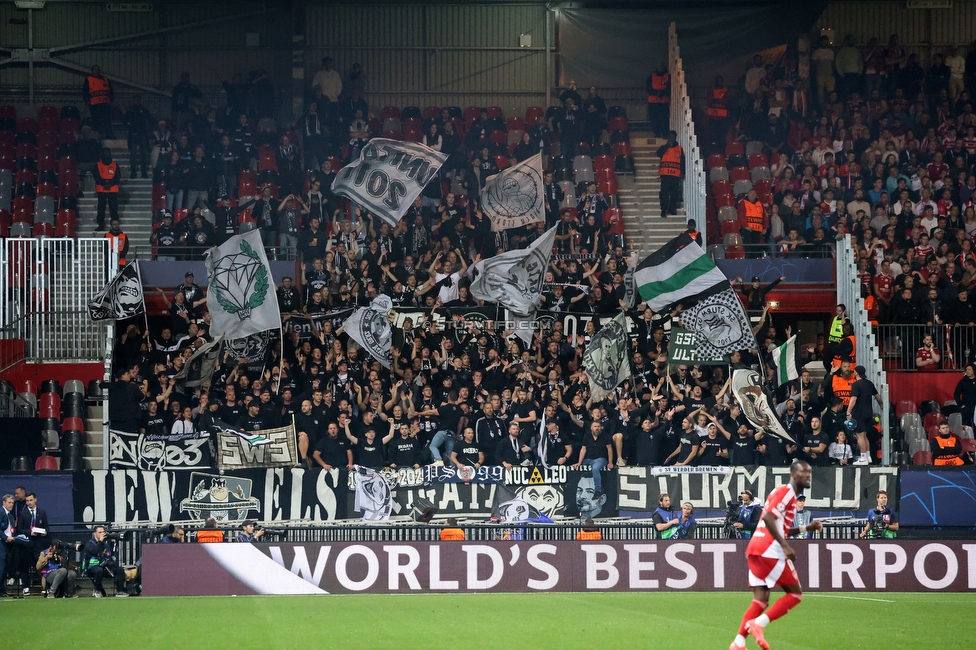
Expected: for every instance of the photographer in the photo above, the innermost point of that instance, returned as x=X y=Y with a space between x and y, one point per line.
x=54 y=572
x=747 y=517
x=249 y=534
x=99 y=560
x=882 y=521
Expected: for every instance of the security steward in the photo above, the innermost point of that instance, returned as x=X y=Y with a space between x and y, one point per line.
x=846 y=348
x=659 y=99
x=717 y=110
x=107 y=177
x=671 y=171
x=836 y=331
x=946 y=448
x=452 y=533
x=99 y=96
x=589 y=532
x=118 y=240
x=839 y=382
x=753 y=222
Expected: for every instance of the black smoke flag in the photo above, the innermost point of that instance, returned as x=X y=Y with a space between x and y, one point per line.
x=121 y=298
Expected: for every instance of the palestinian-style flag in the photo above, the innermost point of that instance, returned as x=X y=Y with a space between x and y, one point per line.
x=680 y=271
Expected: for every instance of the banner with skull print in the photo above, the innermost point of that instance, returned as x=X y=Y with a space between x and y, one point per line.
x=121 y=298
x=158 y=452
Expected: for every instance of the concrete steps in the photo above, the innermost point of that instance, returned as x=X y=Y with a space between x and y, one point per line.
x=640 y=203
x=94 y=436
x=135 y=203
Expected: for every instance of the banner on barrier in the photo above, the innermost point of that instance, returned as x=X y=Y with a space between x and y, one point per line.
x=278 y=448
x=153 y=452
x=833 y=488
x=512 y=567
x=130 y=496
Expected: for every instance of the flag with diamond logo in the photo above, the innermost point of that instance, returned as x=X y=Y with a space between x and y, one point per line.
x=240 y=297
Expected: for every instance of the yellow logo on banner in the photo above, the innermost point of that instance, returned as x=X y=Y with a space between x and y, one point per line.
x=536 y=477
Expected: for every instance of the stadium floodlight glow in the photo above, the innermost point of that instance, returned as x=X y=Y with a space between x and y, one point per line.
x=29 y=4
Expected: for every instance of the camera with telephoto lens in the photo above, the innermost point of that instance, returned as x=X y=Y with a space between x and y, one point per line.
x=732 y=516
x=878 y=525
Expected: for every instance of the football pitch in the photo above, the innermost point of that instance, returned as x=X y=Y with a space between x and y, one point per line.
x=545 y=620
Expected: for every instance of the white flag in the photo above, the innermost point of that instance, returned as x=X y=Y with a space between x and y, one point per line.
x=630 y=285
x=514 y=280
x=784 y=358
x=199 y=368
x=373 y=496
x=241 y=297
x=606 y=360
x=121 y=298
x=370 y=327
x=388 y=176
x=747 y=388
x=720 y=325
x=515 y=196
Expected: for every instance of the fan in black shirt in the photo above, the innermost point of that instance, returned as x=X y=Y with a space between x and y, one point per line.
x=333 y=450
x=369 y=450
x=404 y=451
x=652 y=434
x=467 y=452
x=744 y=446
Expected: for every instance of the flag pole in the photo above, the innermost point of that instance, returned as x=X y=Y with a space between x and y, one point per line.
x=281 y=357
x=145 y=309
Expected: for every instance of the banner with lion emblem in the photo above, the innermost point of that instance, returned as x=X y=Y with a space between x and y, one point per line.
x=121 y=298
x=240 y=297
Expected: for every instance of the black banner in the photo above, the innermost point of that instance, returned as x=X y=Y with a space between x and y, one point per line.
x=131 y=496
x=836 y=489
x=307 y=326
x=153 y=453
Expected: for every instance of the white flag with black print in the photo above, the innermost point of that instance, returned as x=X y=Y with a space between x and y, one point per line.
x=630 y=285
x=515 y=196
x=514 y=280
x=371 y=327
x=373 y=496
x=756 y=406
x=720 y=325
x=121 y=298
x=388 y=176
x=199 y=368
x=606 y=359
x=241 y=298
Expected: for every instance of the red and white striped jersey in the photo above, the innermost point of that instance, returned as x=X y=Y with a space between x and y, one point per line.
x=781 y=503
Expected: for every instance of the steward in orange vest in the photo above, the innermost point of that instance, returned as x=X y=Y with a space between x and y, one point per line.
x=452 y=533
x=210 y=533
x=118 y=240
x=99 y=96
x=671 y=170
x=659 y=99
x=946 y=448
x=589 y=532
x=717 y=100
x=753 y=222
x=107 y=187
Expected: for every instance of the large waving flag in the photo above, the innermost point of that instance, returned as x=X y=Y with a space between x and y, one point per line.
x=679 y=272
x=720 y=324
x=121 y=298
x=370 y=327
x=388 y=176
x=515 y=196
x=606 y=361
x=241 y=296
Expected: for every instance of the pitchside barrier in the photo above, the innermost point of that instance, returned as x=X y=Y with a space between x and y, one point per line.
x=515 y=566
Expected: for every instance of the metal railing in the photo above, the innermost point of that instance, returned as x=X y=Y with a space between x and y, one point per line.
x=900 y=344
x=765 y=251
x=868 y=354
x=181 y=253
x=695 y=182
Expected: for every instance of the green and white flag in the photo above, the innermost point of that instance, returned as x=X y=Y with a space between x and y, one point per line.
x=679 y=271
x=784 y=358
x=241 y=297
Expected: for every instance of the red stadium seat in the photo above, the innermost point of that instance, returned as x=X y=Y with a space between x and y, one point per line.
x=267 y=158
x=922 y=458
x=739 y=174
x=735 y=148
x=729 y=227
x=43 y=229
x=501 y=162
x=390 y=112
x=471 y=113
x=515 y=124
x=499 y=138
x=763 y=186
x=905 y=406
x=65 y=223
x=431 y=113
x=27 y=124
x=46 y=464
x=496 y=113
x=622 y=149
x=618 y=124
x=758 y=160
x=603 y=161
x=72 y=424
x=721 y=187
x=933 y=420
x=735 y=252
x=724 y=200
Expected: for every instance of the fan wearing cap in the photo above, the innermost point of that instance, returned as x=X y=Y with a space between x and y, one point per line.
x=195 y=299
x=248 y=534
x=860 y=415
x=803 y=517
x=755 y=293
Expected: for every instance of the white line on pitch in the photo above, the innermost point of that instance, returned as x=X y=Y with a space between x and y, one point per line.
x=874 y=600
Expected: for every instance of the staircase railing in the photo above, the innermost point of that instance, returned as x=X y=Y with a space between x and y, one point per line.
x=681 y=122
x=868 y=354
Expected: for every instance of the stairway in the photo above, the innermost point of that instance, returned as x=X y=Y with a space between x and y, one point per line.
x=639 y=202
x=135 y=204
x=94 y=435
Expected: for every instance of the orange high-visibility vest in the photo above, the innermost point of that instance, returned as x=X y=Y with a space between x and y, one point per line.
x=452 y=535
x=587 y=535
x=671 y=162
x=659 y=84
x=119 y=243
x=950 y=459
x=717 y=102
x=754 y=215
x=207 y=536
x=98 y=91
x=107 y=172
x=841 y=388
x=836 y=361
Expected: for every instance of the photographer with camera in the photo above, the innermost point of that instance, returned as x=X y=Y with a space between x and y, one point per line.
x=743 y=516
x=54 y=571
x=882 y=520
x=249 y=534
x=99 y=560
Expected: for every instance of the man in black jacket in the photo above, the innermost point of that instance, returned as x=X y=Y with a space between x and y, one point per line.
x=756 y=293
x=138 y=120
x=32 y=525
x=124 y=399
x=99 y=559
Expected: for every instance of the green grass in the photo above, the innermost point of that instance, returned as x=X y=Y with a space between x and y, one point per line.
x=549 y=620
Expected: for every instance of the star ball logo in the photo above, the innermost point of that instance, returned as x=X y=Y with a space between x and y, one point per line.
x=240 y=281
